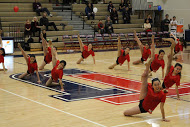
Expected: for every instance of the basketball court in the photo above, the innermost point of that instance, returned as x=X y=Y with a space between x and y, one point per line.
x=94 y=95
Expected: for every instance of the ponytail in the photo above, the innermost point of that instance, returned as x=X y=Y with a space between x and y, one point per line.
x=184 y=42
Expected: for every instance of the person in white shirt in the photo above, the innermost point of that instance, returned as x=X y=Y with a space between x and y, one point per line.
x=173 y=24
x=147 y=26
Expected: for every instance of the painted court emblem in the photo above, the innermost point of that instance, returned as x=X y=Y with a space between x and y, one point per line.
x=122 y=91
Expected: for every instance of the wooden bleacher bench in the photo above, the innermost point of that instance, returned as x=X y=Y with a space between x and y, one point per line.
x=6 y=24
x=20 y=14
x=23 y=5
x=11 y=19
x=22 y=1
x=10 y=9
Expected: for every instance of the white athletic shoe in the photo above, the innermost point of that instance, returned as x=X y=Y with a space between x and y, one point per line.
x=50 y=15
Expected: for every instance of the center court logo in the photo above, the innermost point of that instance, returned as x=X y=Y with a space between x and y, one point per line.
x=122 y=90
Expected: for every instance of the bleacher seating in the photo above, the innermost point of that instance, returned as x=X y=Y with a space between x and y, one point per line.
x=8 y=17
x=67 y=38
x=136 y=24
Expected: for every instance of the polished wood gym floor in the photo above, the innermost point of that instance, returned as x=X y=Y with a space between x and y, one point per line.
x=25 y=105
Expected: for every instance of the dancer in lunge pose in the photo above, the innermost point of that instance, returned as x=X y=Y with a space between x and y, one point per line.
x=32 y=64
x=86 y=51
x=57 y=71
x=150 y=95
x=122 y=55
x=145 y=51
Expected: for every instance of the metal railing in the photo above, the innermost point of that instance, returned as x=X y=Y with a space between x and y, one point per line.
x=15 y=30
x=94 y=26
x=82 y=15
x=0 y=24
x=2 y=34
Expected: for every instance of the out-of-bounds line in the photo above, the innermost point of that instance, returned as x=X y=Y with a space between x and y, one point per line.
x=180 y=99
x=52 y=107
x=148 y=120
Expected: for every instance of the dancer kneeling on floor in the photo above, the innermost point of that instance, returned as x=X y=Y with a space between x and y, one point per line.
x=173 y=73
x=57 y=71
x=86 y=51
x=122 y=55
x=32 y=64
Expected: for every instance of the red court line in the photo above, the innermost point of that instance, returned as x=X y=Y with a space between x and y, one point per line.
x=110 y=80
x=126 y=84
x=132 y=98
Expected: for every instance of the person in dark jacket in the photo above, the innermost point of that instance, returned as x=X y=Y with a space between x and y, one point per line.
x=149 y=18
x=100 y=27
x=37 y=7
x=27 y=31
x=114 y=16
x=122 y=6
x=89 y=11
x=165 y=23
x=108 y=26
x=110 y=6
x=45 y=22
x=35 y=26
x=126 y=16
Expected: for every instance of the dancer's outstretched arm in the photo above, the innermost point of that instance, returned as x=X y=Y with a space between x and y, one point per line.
x=54 y=54
x=94 y=59
x=37 y=73
x=144 y=76
x=170 y=56
x=163 y=112
x=139 y=42
x=174 y=36
x=44 y=44
x=80 y=43
x=119 y=46
x=23 y=53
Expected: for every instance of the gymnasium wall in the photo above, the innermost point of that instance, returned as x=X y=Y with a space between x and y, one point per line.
x=178 y=8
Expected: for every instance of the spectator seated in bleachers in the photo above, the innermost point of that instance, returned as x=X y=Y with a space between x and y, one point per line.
x=147 y=26
x=110 y=6
x=35 y=26
x=37 y=7
x=108 y=26
x=149 y=18
x=126 y=15
x=45 y=22
x=27 y=31
x=122 y=6
x=89 y=11
x=128 y=4
x=114 y=16
x=100 y=27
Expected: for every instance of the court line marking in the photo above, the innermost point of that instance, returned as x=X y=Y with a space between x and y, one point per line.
x=52 y=107
x=112 y=102
x=149 y=120
x=125 y=88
